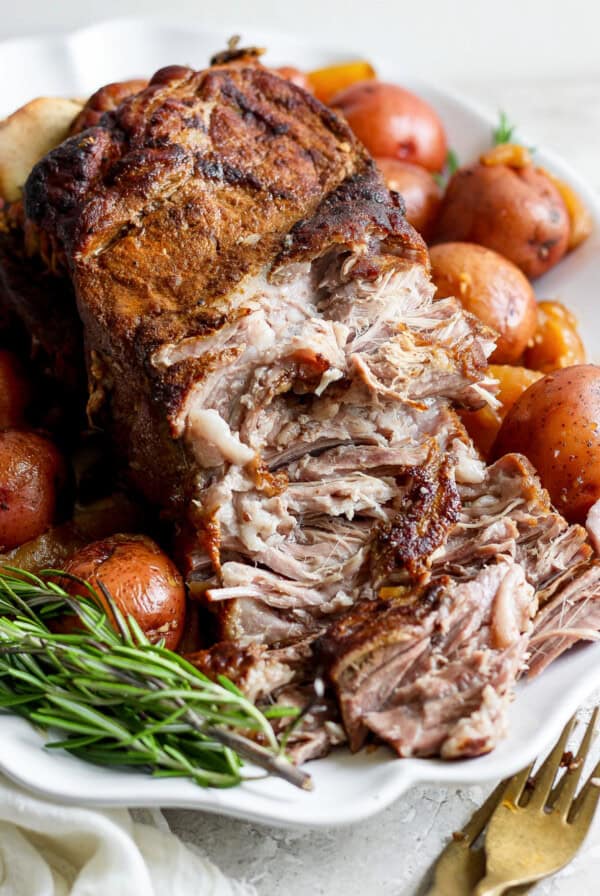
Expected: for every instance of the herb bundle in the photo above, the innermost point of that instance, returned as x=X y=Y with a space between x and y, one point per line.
x=119 y=700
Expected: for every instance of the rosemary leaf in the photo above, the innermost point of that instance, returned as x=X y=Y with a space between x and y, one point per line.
x=504 y=132
x=116 y=699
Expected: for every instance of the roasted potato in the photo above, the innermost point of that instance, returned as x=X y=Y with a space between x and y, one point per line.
x=15 y=391
x=421 y=193
x=556 y=424
x=56 y=545
x=27 y=135
x=517 y=212
x=141 y=579
x=32 y=474
x=556 y=342
x=297 y=77
x=490 y=287
x=483 y=425
x=394 y=123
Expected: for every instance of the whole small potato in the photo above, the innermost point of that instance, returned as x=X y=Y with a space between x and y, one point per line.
x=15 y=391
x=518 y=212
x=32 y=474
x=393 y=123
x=421 y=193
x=491 y=288
x=295 y=75
x=141 y=579
x=556 y=424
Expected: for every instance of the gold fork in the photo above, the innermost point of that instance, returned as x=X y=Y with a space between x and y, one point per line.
x=461 y=866
x=536 y=833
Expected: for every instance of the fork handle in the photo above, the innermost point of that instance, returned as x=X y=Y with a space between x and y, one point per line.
x=491 y=886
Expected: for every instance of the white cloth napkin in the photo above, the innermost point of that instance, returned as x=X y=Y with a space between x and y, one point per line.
x=48 y=849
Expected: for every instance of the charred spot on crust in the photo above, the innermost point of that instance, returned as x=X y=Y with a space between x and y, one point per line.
x=428 y=512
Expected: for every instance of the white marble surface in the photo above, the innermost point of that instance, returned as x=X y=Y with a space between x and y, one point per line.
x=390 y=854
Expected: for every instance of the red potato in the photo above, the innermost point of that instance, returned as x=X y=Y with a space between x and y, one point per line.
x=516 y=211
x=556 y=424
x=394 y=123
x=141 y=579
x=32 y=474
x=297 y=77
x=491 y=288
x=421 y=193
x=15 y=391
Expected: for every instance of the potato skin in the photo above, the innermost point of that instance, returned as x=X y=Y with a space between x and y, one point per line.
x=556 y=424
x=490 y=287
x=297 y=77
x=422 y=195
x=518 y=212
x=32 y=474
x=15 y=391
x=142 y=580
x=393 y=123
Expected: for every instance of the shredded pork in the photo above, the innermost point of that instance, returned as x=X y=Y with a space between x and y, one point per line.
x=264 y=348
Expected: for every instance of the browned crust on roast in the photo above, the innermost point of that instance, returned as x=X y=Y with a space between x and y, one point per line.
x=101 y=180
x=172 y=203
x=359 y=209
x=227 y=658
x=428 y=513
x=105 y=100
x=372 y=619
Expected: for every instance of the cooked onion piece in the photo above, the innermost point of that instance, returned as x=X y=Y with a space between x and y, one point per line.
x=556 y=341
x=27 y=135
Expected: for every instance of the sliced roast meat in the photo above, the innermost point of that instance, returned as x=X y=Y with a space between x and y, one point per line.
x=318 y=728
x=433 y=671
x=571 y=613
x=257 y=671
x=508 y=512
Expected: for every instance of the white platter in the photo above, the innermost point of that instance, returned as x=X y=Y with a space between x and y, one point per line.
x=347 y=788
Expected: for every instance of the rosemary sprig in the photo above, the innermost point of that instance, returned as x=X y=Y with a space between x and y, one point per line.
x=504 y=132
x=452 y=162
x=117 y=699
x=451 y=167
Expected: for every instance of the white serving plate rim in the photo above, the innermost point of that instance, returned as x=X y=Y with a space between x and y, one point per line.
x=334 y=802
